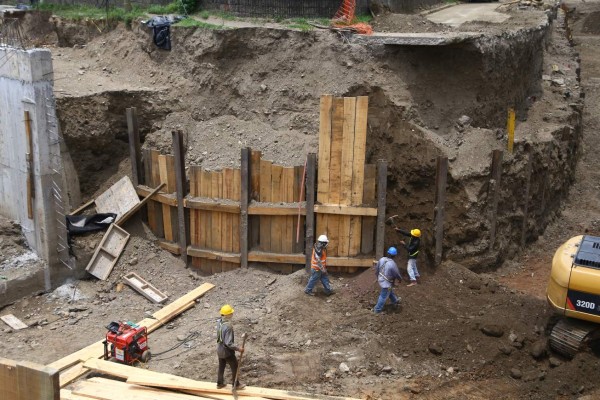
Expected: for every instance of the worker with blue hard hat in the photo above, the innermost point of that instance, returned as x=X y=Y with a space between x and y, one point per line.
x=387 y=273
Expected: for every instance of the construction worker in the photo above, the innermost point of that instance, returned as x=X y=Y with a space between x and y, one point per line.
x=387 y=272
x=226 y=348
x=413 y=250
x=318 y=268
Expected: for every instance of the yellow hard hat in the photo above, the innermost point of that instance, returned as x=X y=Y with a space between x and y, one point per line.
x=226 y=310
x=415 y=232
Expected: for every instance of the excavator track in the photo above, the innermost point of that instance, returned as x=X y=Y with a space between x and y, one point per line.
x=569 y=336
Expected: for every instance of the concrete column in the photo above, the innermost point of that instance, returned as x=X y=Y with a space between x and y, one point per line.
x=26 y=78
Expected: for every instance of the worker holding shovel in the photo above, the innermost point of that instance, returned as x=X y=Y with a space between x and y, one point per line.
x=226 y=349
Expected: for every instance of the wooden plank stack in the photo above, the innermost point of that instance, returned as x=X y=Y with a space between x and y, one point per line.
x=341 y=174
x=70 y=367
x=142 y=384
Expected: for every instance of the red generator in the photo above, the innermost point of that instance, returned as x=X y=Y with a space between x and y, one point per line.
x=126 y=342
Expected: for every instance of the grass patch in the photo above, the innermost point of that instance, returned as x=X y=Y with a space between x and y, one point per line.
x=366 y=18
x=194 y=23
x=171 y=8
x=79 y=12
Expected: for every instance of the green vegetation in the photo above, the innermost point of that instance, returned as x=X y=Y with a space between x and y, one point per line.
x=367 y=18
x=194 y=23
x=79 y=12
x=171 y=8
x=187 y=7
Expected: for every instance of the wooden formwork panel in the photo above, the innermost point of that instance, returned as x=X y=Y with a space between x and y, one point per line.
x=213 y=230
x=341 y=175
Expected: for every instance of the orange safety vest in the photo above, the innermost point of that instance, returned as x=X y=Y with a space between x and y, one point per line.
x=314 y=261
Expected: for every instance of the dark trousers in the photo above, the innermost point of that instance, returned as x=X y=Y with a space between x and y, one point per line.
x=233 y=364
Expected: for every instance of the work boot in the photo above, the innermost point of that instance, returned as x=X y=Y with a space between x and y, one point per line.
x=309 y=293
x=221 y=385
x=330 y=293
x=240 y=386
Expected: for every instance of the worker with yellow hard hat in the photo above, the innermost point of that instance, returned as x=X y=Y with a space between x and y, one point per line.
x=226 y=348
x=413 y=250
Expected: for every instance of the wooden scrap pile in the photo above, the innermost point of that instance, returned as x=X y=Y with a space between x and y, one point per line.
x=71 y=367
x=142 y=384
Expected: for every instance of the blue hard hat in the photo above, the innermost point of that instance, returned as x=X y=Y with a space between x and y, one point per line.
x=392 y=251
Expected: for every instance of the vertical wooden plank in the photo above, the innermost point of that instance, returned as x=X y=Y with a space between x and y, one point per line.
x=381 y=198
x=246 y=186
x=254 y=220
x=134 y=146
x=217 y=217
x=237 y=232
x=254 y=175
x=155 y=170
x=335 y=181
x=335 y=163
x=526 y=197
x=348 y=127
x=37 y=382
x=8 y=379
x=298 y=240
x=166 y=210
x=441 y=178
x=289 y=237
x=310 y=207
x=151 y=205
x=276 y=196
x=180 y=186
x=227 y=218
x=347 y=150
x=172 y=185
x=206 y=220
x=494 y=193
x=368 y=223
x=358 y=172
x=265 y=196
x=360 y=146
x=195 y=182
x=326 y=109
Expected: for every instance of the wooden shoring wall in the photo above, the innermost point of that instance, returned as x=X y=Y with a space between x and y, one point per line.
x=215 y=216
x=275 y=225
x=215 y=233
x=274 y=211
x=344 y=182
x=162 y=215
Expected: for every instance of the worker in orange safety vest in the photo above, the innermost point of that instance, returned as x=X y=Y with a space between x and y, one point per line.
x=318 y=267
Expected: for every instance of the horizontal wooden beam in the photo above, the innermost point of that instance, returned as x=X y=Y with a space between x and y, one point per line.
x=345 y=210
x=204 y=203
x=171 y=247
x=261 y=256
x=271 y=209
x=349 y=262
x=161 y=197
x=208 y=254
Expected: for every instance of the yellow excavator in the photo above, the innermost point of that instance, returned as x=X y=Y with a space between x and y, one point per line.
x=574 y=292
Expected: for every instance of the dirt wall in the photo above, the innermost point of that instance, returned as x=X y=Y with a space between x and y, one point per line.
x=259 y=87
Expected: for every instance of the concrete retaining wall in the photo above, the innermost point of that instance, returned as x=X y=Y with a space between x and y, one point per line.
x=26 y=78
